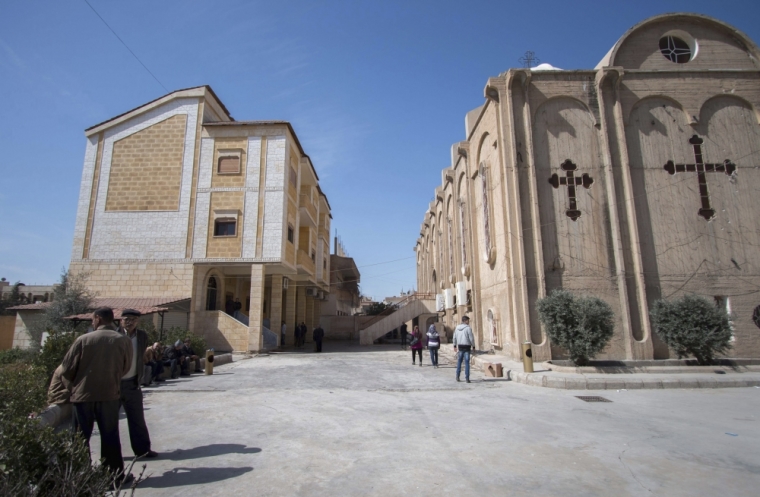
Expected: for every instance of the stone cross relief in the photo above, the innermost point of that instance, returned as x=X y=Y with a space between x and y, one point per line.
x=571 y=181
x=728 y=167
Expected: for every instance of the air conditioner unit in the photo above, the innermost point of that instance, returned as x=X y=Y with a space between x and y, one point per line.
x=285 y=283
x=462 y=293
x=320 y=295
x=311 y=292
x=448 y=296
x=440 y=303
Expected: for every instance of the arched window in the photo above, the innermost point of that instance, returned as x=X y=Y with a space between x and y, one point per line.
x=494 y=336
x=463 y=232
x=211 y=294
x=452 y=271
x=488 y=255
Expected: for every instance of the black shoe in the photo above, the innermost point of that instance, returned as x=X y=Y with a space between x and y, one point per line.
x=150 y=454
x=174 y=377
x=467 y=380
x=159 y=380
x=458 y=379
x=199 y=371
x=184 y=374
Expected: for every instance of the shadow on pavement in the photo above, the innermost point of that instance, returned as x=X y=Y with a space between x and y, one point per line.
x=192 y=476
x=208 y=451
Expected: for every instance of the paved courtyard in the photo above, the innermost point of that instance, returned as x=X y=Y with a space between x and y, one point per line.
x=364 y=421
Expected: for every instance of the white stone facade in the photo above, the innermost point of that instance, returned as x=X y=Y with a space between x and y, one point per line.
x=144 y=235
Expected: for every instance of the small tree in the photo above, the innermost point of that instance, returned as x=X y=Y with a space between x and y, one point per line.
x=692 y=325
x=376 y=308
x=71 y=297
x=582 y=325
x=14 y=298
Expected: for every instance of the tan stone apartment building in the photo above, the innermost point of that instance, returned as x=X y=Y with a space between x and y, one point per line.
x=178 y=200
x=632 y=181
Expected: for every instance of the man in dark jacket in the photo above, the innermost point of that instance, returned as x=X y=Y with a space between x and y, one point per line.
x=131 y=394
x=190 y=356
x=173 y=358
x=318 y=335
x=94 y=365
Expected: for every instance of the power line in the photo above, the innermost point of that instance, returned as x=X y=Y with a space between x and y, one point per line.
x=126 y=46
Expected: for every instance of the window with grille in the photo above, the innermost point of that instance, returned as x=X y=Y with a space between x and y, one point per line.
x=225 y=227
x=291 y=234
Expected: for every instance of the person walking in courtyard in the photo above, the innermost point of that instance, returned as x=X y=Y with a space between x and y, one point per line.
x=318 y=335
x=416 y=344
x=464 y=343
x=131 y=395
x=94 y=365
x=434 y=343
x=402 y=332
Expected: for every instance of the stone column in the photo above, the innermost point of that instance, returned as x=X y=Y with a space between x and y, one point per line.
x=290 y=312
x=309 y=318
x=275 y=314
x=255 y=336
x=300 y=303
x=317 y=313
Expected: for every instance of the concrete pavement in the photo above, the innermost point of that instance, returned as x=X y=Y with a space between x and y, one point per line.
x=364 y=421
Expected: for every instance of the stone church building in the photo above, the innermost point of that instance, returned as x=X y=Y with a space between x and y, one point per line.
x=178 y=200
x=633 y=181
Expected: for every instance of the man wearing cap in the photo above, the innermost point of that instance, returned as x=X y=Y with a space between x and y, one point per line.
x=464 y=343
x=94 y=366
x=131 y=395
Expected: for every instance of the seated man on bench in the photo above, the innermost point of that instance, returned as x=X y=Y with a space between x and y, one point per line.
x=190 y=355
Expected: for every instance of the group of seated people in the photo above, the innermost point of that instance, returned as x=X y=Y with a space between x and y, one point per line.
x=177 y=357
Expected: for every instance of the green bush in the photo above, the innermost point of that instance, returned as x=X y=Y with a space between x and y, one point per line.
x=23 y=390
x=35 y=461
x=692 y=325
x=582 y=325
x=56 y=346
x=17 y=355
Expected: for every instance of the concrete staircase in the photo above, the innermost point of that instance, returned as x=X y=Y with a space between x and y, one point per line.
x=411 y=309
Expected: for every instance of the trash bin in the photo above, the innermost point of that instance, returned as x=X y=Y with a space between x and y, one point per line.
x=527 y=357
x=210 y=361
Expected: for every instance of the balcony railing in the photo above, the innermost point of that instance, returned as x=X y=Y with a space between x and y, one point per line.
x=304 y=261
x=304 y=202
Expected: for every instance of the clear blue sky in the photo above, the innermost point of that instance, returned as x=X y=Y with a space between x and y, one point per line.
x=376 y=91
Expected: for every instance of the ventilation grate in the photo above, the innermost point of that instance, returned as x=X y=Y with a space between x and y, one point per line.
x=592 y=398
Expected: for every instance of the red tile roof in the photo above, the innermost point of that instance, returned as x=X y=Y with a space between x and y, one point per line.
x=117 y=312
x=112 y=302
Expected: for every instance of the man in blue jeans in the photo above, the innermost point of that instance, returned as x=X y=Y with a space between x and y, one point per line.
x=464 y=343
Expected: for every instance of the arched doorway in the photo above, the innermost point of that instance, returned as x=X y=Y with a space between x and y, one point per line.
x=211 y=293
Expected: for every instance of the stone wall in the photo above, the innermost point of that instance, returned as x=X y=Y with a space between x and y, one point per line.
x=222 y=332
x=137 y=279
x=146 y=168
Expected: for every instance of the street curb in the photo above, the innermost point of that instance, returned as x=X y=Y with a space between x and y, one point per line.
x=571 y=381
x=582 y=383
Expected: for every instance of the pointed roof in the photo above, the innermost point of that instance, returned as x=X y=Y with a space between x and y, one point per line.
x=196 y=91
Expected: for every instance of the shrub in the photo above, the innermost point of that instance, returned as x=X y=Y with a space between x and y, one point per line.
x=16 y=355
x=56 y=346
x=582 y=325
x=692 y=325
x=35 y=461
x=23 y=390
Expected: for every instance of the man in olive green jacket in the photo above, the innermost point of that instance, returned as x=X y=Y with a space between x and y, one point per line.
x=94 y=365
